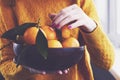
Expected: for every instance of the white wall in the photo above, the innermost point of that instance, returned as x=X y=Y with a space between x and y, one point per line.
x=101 y=6
x=118 y=16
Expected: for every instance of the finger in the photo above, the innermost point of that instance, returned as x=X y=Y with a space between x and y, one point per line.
x=14 y=60
x=52 y=15
x=65 y=15
x=65 y=71
x=60 y=72
x=67 y=9
x=69 y=20
x=43 y=72
x=76 y=24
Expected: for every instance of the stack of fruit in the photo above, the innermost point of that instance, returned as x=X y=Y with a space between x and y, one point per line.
x=43 y=37
x=53 y=39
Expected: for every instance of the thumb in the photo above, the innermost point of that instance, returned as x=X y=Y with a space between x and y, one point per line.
x=52 y=15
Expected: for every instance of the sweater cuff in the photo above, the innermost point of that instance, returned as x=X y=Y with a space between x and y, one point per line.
x=94 y=36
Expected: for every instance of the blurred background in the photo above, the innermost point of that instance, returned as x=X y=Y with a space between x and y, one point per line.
x=109 y=13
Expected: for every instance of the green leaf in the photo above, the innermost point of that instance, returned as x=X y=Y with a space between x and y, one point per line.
x=10 y=34
x=18 y=30
x=25 y=26
x=42 y=44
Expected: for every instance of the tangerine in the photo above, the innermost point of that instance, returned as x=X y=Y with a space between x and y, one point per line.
x=70 y=42
x=54 y=44
x=30 y=35
x=50 y=32
x=65 y=32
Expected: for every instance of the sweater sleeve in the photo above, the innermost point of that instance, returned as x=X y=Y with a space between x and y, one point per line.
x=99 y=46
x=7 y=67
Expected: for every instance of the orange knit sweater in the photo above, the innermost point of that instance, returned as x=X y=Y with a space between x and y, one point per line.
x=15 y=12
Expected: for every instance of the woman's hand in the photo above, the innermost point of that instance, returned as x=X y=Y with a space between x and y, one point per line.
x=73 y=16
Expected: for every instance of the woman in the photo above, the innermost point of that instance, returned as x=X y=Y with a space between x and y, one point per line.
x=83 y=12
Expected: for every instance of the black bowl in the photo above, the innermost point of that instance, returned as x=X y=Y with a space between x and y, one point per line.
x=58 y=58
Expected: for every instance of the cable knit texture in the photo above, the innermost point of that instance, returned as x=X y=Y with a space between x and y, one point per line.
x=16 y=12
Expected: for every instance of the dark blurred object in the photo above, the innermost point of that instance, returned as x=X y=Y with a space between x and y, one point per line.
x=1 y=77
x=101 y=74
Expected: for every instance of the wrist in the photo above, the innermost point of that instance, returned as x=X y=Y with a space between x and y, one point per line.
x=90 y=26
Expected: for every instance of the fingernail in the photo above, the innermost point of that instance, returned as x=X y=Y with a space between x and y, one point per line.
x=52 y=15
x=57 y=26
x=14 y=60
x=53 y=25
x=65 y=71
x=60 y=72
x=69 y=26
x=43 y=72
x=68 y=69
